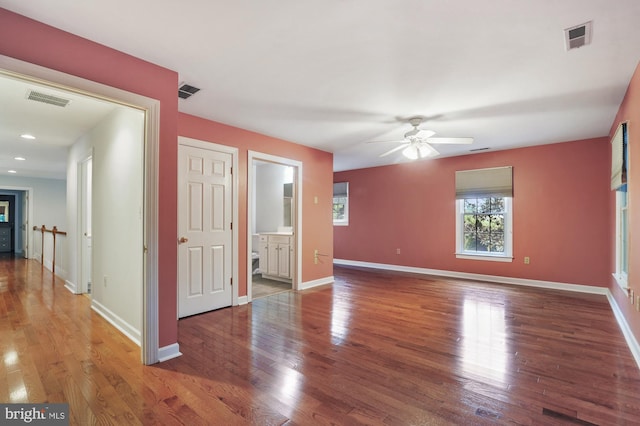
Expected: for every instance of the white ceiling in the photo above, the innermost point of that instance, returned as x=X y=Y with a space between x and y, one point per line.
x=335 y=74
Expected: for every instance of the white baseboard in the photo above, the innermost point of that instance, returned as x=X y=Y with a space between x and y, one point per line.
x=124 y=327
x=632 y=342
x=166 y=353
x=478 y=277
x=243 y=300
x=71 y=287
x=315 y=283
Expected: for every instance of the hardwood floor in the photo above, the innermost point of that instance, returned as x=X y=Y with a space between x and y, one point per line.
x=375 y=348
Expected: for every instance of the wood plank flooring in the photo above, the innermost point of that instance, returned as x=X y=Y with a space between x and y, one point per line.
x=375 y=348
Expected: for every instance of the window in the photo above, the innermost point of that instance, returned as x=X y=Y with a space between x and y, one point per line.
x=619 y=184
x=484 y=228
x=484 y=214
x=341 y=203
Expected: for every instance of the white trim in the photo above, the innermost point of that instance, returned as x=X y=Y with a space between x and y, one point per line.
x=123 y=326
x=255 y=155
x=166 y=353
x=484 y=257
x=235 y=178
x=71 y=286
x=315 y=283
x=632 y=342
x=243 y=300
x=478 y=277
x=15 y=68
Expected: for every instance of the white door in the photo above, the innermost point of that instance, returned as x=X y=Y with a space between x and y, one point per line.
x=84 y=196
x=204 y=230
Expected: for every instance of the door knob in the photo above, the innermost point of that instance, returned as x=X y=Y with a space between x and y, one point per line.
x=183 y=240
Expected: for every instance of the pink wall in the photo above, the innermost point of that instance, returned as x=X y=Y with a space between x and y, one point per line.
x=629 y=111
x=317 y=174
x=561 y=213
x=43 y=45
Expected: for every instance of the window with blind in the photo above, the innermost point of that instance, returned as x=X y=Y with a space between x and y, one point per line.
x=341 y=203
x=484 y=214
x=619 y=157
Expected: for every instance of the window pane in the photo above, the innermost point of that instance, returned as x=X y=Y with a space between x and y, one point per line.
x=484 y=222
x=469 y=223
x=470 y=205
x=470 y=241
x=497 y=242
x=497 y=223
x=497 y=205
x=483 y=241
x=484 y=205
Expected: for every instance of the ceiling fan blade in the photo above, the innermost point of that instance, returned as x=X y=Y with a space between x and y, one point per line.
x=456 y=141
x=391 y=151
x=394 y=141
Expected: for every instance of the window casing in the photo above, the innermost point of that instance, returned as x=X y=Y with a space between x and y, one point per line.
x=484 y=228
x=619 y=169
x=341 y=204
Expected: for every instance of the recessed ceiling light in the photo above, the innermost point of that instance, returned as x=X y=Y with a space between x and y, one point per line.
x=11 y=171
x=19 y=158
x=27 y=136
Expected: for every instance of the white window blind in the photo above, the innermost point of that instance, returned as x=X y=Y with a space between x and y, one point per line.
x=618 y=167
x=482 y=183
x=340 y=189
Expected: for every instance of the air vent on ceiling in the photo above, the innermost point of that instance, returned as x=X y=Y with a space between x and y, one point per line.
x=185 y=91
x=577 y=36
x=478 y=149
x=34 y=95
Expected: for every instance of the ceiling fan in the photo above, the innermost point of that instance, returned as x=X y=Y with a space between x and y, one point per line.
x=417 y=142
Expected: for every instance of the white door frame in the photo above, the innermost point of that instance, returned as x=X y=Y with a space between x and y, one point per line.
x=212 y=146
x=14 y=68
x=260 y=156
x=28 y=192
x=81 y=288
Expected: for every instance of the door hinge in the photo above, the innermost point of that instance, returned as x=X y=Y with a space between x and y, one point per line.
x=231 y=225
x=231 y=280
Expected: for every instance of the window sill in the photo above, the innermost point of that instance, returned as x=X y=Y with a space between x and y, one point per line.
x=340 y=223
x=621 y=280
x=491 y=258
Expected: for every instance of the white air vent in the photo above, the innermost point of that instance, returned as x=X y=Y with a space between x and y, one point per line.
x=577 y=36
x=34 y=95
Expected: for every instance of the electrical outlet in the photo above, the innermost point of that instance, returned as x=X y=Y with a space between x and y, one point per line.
x=397 y=251
x=105 y=279
x=315 y=256
x=527 y=260
x=631 y=295
x=638 y=304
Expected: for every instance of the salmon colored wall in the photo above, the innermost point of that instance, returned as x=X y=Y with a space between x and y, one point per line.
x=317 y=171
x=629 y=111
x=31 y=41
x=560 y=207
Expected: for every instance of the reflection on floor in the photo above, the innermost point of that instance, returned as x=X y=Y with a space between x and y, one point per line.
x=262 y=287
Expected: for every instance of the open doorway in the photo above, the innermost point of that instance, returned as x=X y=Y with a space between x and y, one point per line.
x=127 y=183
x=274 y=242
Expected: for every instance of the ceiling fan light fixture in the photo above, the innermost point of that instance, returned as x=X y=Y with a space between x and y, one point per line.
x=411 y=152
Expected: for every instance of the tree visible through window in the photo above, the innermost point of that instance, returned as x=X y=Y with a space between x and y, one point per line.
x=341 y=203
x=484 y=221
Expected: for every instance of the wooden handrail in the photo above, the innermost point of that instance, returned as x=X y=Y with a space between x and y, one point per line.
x=54 y=231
